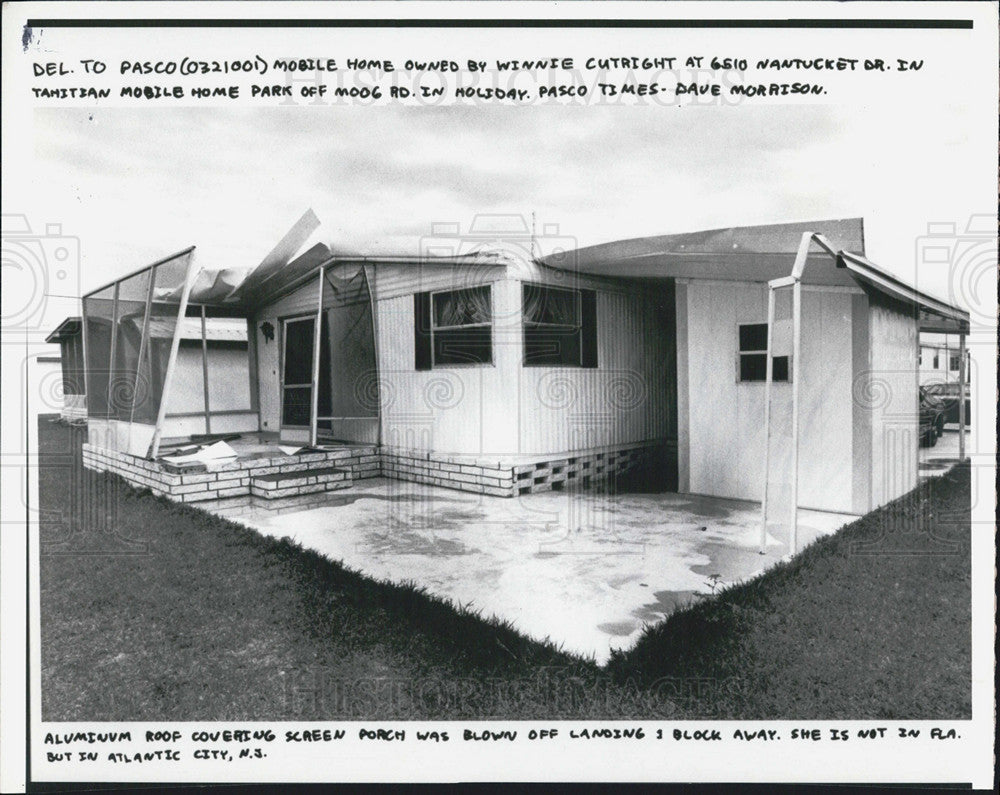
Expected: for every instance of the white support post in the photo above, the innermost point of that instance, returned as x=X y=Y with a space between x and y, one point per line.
x=317 y=339
x=962 y=375
x=175 y=345
x=370 y=284
x=796 y=374
x=204 y=371
x=767 y=417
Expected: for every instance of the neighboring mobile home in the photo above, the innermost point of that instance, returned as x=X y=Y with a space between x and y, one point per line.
x=505 y=373
x=940 y=359
x=67 y=335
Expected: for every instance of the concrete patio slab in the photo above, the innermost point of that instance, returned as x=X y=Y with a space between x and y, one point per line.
x=584 y=569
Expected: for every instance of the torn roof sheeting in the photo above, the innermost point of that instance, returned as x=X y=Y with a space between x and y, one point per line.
x=216 y=329
x=294 y=242
x=300 y=252
x=748 y=253
x=217 y=286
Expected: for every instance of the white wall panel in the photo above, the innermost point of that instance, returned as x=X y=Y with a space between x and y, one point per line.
x=460 y=410
x=726 y=417
x=627 y=398
x=894 y=400
x=268 y=363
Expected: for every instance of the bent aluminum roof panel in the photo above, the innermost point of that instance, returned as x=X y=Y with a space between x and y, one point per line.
x=754 y=253
x=934 y=314
x=216 y=330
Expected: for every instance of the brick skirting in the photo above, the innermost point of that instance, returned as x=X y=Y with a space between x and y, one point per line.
x=74 y=413
x=227 y=480
x=495 y=476
x=512 y=476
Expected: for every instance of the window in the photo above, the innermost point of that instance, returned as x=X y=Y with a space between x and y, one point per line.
x=560 y=327
x=953 y=363
x=936 y=362
x=752 y=364
x=453 y=328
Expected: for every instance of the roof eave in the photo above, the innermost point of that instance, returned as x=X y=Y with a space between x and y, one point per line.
x=60 y=331
x=865 y=270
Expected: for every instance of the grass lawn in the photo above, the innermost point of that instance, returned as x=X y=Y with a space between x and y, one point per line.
x=153 y=611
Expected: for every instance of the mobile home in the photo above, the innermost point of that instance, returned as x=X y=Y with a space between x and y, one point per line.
x=725 y=360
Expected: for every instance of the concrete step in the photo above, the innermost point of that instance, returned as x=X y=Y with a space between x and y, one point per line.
x=309 y=481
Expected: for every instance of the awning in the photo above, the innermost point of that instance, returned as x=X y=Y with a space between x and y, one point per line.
x=749 y=253
x=761 y=254
x=70 y=327
x=933 y=314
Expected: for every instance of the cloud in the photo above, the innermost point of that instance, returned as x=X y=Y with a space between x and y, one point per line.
x=139 y=183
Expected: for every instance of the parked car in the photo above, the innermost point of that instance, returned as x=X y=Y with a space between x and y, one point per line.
x=932 y=419
x=945 y=397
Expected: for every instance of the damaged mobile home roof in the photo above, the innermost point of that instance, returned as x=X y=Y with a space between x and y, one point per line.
x=752 y=253
x=759 y=254
x=295 y=258
x=749 y=253
x=216 y=329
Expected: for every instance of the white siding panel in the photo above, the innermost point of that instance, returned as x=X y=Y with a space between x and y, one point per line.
x=301 y=301
x=726 y=417
x=460 y=410
x=894 y=401
x=627 y=398
x=234 y=423
x=389 y=280
x=268 y=363
x=228 y=378
x=825 y=411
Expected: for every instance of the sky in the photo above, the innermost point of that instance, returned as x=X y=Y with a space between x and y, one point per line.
x=135 y=184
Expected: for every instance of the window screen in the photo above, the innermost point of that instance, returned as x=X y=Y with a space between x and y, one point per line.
x=752 y=365
x=98 y=319
x=560 y=327
x=453 y=328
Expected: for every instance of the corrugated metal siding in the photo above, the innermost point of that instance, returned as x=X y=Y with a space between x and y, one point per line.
x=505 y=408
x=124 y=437
x=364 y=431
x=861 y=432
x=301 y=301
x=455 y=409
x=387 y=280
x=683 y=407
x=508 y=409
x=628 y=398
x=894 y=399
